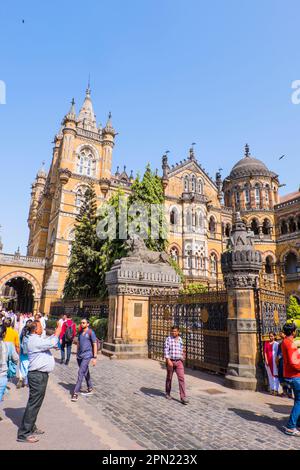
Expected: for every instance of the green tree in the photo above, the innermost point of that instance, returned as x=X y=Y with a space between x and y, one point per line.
x=293 y=308
x=194 y=288
x=112 y=247
x=148 y=191
x=84 y=266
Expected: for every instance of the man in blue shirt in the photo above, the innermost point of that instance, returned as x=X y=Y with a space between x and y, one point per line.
x=86 y=350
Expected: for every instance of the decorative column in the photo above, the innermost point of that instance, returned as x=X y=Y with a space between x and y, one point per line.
x=241 y=266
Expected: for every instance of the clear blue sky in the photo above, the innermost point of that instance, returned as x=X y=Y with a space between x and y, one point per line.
x=172 y=72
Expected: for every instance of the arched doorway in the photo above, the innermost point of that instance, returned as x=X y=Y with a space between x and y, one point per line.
x=22 y=291
x=20 y=294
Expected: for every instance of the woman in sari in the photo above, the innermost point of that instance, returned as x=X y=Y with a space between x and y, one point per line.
x=270 y=353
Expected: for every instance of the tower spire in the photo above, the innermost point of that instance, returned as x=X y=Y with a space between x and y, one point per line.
x=86 y=117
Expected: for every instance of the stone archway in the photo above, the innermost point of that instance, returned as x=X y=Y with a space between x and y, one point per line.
x=21 y=282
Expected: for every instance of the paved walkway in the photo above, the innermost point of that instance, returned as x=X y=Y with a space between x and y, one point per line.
x=129 y=411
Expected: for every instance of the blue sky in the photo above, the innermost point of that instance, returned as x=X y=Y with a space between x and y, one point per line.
x=172 y=72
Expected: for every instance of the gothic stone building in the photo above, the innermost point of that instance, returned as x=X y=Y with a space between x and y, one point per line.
x=199 y=210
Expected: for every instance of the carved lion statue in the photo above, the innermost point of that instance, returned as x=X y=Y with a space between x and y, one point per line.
x=136 y=248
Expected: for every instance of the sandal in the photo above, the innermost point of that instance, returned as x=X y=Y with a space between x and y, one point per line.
x=31 y=439
x=74 y=397
x=291 y=432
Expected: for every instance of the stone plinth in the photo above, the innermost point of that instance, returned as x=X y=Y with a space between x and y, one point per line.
x=130 y=284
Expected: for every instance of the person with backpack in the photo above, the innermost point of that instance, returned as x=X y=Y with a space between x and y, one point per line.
x=86 y=351
x=8 y=357
x=68 y=333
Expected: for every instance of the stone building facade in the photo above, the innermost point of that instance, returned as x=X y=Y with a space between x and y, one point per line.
x=199 y=208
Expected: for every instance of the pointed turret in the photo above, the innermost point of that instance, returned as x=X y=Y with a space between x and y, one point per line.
x=108 y=129
x=86 y=118
x=71 y=115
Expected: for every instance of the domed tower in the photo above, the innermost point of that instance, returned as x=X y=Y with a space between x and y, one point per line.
x=252 y=189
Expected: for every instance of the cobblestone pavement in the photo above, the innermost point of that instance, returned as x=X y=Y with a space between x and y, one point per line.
x=130 y=396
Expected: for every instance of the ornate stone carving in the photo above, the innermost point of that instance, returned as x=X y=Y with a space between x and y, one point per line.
x=245 y=325
x=137 y=250
x=64 y=175
x=241 y=263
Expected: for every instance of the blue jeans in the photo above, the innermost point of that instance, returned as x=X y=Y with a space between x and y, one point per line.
x=295 y=413
x=3 y=383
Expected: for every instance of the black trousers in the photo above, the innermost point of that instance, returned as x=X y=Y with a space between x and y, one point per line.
x=37 y=382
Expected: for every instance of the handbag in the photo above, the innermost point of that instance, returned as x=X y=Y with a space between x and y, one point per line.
x=11 y=366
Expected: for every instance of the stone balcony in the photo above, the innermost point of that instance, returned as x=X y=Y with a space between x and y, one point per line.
x=19 y=260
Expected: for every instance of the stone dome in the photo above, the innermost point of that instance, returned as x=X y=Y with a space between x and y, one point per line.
x=249 y=166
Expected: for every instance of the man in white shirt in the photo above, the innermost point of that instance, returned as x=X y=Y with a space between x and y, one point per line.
x=41 y=363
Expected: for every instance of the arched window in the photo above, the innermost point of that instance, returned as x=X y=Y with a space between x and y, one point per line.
x=292 y=225
x=257 y=195
x=189 y=261
x=174 y=217
x=269 y=265
x=237 y=198
x=291 y=263
x=193 y=184
x=212 y=225
x=267 y=198
x=266 y=227
x=255 y=227
x=86 y=163
x=199 y=220
x=200 y=187
x=189 y=219
x=213 y=265
x=186 y=183
x=247 y=196
x=283 y=227
x=228 y=230
x=80 y=195
x=174 y=253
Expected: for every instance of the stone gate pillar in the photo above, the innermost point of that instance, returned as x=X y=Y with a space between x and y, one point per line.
x=131 y=282
x=241 y=266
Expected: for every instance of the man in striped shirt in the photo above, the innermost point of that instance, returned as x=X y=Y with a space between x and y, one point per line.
x=174 y=360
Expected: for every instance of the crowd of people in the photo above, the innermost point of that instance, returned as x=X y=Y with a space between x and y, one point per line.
x=25 y=354
x=25 y=351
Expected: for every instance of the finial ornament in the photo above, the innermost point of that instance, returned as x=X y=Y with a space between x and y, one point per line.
x=247 y=151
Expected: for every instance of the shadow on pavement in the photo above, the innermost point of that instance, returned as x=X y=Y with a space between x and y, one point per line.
x=258 y=418
x=68 y=387
x=152 y=391
x=15 y=415
x=282 y=409
x=201 y=374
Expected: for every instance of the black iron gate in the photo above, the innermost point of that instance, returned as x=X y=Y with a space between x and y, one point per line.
x=202 y=320
x=271 y=309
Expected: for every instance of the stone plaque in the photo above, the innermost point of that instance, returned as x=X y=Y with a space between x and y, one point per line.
x=138 y=309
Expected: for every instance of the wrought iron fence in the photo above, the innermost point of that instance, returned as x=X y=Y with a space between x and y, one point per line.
x=202 y=320
x=80 y=308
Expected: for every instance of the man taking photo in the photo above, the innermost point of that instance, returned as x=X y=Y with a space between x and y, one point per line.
x=41 y=362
